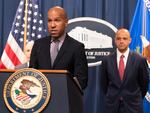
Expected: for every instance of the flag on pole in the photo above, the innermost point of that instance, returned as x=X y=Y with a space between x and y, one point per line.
x=27 y=17
x=140 y=34
x=140 y=27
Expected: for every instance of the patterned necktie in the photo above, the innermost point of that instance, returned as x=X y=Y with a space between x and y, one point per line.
x=121 y=67
x=54 y=50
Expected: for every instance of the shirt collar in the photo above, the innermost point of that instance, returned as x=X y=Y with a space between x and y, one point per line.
x=125 y=54
x=61 y=39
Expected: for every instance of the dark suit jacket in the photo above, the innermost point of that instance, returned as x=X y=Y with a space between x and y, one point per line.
x=71 y=57
x=131 y=90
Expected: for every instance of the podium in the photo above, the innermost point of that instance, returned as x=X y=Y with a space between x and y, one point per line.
x=66 y=96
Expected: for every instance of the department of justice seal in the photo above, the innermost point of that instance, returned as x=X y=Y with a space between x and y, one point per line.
x=96 y=34
x=26 y=91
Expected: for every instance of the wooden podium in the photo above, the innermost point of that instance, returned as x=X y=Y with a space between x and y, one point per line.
x=66 y=96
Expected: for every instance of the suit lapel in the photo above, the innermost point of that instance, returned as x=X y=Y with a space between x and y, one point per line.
x=128 y=66
x=116 y=71
x=47 y=52
x=127 y=69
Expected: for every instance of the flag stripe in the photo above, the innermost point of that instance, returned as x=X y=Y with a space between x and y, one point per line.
x=2 y=65
x=12 y=55
x=6 y=61
x=16 y=49
x=25 y=97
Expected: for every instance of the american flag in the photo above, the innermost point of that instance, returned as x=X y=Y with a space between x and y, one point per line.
x=13 y=52
x=23 y=97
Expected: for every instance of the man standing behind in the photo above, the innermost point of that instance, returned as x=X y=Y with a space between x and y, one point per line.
x=60 y=51
x=27 y=52
x=124 y=77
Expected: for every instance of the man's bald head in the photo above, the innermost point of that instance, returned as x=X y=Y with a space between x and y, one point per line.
x=59 y=10
x=123 y=30
x=122 y=39
x=57 y=21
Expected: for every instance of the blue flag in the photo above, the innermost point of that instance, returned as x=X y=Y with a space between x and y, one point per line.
x=140 y=34
x=140 y=27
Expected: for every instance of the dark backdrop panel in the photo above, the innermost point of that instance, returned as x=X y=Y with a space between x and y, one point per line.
x=93 y=97
x=1 y=13
x=117 y=12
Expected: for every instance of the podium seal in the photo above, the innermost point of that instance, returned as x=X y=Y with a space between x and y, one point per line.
x=27 y=91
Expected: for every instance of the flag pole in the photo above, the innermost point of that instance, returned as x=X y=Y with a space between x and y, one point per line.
x=25 y=22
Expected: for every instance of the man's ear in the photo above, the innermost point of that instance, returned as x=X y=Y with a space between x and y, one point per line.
x=130 y=40
x=66 y=24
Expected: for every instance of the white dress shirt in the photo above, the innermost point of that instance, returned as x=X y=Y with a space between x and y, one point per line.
x=126 y=54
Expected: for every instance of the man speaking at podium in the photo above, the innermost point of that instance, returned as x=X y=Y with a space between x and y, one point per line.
x=60 y=51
